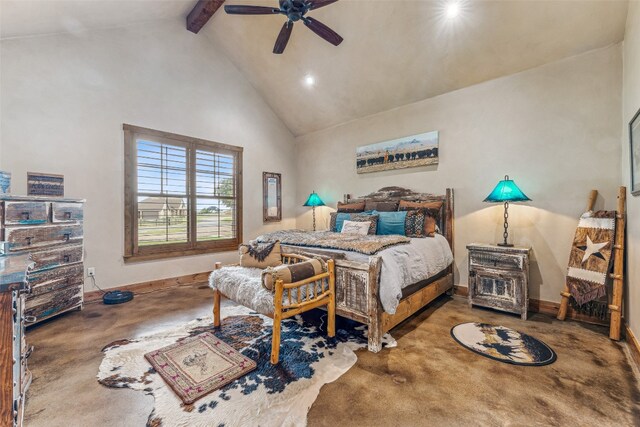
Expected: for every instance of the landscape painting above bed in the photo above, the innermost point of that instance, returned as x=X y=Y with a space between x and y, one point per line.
x=407 y=152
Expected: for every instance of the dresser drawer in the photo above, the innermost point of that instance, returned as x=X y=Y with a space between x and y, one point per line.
x=493 y=260
x=50 y=280
x=26 y=238
x=67 y=212
x=26 y=213
x=56 y=257
x=51 y=303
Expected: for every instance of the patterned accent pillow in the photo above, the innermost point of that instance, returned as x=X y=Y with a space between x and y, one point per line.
x=380 y=206
x=337 y=218
x=261 y=255
x=363 y=217
x=351 y=207
x=291 y=273
x=414 y=223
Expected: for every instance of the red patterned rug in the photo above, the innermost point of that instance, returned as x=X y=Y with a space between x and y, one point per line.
x=196 y=366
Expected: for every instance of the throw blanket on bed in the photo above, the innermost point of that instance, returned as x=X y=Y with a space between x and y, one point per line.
x=591 y=256
x=367 y=245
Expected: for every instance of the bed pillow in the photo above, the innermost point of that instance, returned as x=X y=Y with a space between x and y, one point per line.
x=414 y=223
x=261 y=255
x=391 y=223
x=291 y=273
x=380 y=206
x=351 y=207
x=337 y=218
x=356 y=227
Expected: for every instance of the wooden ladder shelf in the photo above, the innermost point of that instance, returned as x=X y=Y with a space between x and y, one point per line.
x=618 y=267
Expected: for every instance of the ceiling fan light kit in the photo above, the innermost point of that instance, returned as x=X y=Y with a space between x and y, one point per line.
x=294 y=10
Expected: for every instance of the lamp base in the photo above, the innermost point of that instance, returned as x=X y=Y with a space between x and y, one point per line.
x=506 y=245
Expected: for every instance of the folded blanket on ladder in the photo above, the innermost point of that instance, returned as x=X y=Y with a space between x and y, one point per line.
x=590 y=257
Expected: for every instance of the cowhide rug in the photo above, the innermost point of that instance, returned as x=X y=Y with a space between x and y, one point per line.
x=279 y=395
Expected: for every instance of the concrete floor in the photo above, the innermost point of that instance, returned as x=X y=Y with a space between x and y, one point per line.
x=427 y=380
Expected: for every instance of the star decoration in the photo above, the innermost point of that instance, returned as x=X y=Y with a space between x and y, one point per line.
x=592 y=249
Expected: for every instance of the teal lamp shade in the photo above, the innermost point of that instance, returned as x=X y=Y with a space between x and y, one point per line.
x=507 y=191
x=313 y=200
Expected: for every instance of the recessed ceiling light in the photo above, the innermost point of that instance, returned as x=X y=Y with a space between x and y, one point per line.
x=453 y=10
x=309 y=80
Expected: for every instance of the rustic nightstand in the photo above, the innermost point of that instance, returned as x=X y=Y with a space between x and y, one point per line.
x=499 y=277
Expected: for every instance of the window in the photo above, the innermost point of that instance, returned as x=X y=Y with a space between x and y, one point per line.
x=183 y=196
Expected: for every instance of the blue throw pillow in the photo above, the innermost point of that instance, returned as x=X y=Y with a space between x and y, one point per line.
x=341 y=217
x=391 y=222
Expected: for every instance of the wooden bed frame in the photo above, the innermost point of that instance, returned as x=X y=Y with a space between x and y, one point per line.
x=357 y=283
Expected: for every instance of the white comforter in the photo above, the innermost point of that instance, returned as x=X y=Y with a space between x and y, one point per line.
x=404 y=265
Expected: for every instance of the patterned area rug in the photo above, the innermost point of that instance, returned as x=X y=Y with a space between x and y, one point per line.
x=503 y=344
x=196 y=366
x=267 y=396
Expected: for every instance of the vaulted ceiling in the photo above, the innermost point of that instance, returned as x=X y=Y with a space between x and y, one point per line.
x=394 y=52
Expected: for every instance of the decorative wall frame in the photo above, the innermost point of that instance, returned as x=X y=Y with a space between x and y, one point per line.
x=5 y=183
x=45 y=184
x=634 y=153
x=271 y=197
x=406 y=152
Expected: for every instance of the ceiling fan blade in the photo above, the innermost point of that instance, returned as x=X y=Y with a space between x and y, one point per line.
x=323 y=31
x=250 y=10
x=283 y=37
x=317 y=4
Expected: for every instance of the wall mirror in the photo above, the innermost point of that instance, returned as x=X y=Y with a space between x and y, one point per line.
x=272 y=197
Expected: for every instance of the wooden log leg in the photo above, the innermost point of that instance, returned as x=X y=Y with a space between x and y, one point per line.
x=564 y=303
x=331 y=307
x=375 y=336
x=216 y=301
x=275 y=341
x=277 y=323
x=618 y=267
x=216 y=308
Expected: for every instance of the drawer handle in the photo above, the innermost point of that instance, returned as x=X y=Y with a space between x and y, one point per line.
x=66 y=236
x=67 y=215
x=28 y=239
x=66 y=258
x=25 y=215
x=30 y=319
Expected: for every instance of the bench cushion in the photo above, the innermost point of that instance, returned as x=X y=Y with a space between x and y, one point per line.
x=244 y=286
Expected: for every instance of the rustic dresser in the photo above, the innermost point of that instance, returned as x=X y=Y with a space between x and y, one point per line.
x=51 y=232
x=14 y=373
x=499 y=277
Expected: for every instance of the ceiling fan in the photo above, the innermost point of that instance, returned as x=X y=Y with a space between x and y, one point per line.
x=294 y=10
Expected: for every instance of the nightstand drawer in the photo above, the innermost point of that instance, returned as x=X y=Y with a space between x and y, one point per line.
x=494 y=260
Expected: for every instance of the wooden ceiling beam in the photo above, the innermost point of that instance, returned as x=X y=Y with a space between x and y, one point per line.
x=201 y=13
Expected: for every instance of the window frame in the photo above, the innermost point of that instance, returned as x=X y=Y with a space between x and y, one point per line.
x=133 y=252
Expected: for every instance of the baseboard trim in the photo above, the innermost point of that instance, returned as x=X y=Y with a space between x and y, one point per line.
x=634 y=345
x=153 y=285
x=545 y=307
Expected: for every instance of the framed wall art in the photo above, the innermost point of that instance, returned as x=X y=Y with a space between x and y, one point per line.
x=45 y=184
x=407 y=152
x=272 y=197
x=634 y=153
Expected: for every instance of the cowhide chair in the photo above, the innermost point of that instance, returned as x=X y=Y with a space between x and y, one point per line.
x=244 y=286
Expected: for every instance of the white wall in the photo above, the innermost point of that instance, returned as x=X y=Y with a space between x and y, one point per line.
x=631 y=104
x=554 y=129
x=65 y=98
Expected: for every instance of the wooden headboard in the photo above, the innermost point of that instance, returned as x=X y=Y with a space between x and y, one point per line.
x=399 y=193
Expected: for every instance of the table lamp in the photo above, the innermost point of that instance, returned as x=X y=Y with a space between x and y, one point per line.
x=313 y=201
x=506 y=191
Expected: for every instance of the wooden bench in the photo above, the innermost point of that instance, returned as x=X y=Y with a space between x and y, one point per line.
x=289 y=299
